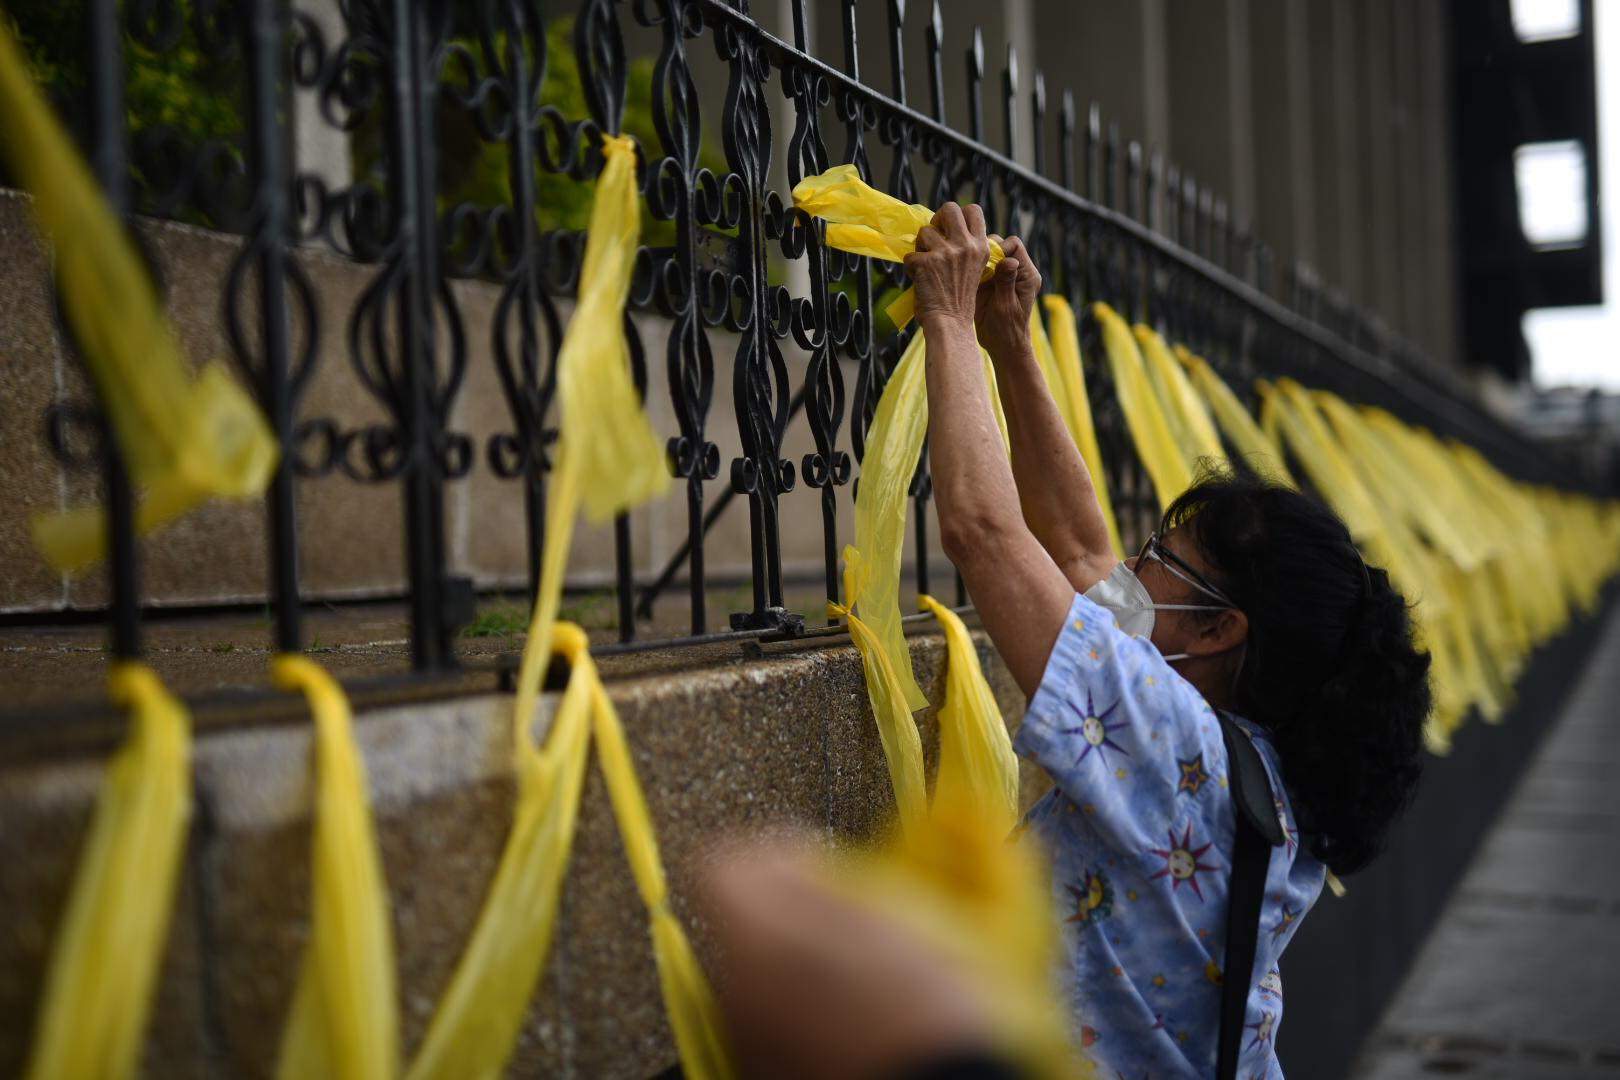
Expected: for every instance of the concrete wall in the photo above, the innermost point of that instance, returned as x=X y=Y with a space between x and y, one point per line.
x=733 y=744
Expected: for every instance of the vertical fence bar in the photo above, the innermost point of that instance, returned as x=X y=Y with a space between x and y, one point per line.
x=760 y=379
x=266 y=32
x=109 y=159
x=813 y=324
x=412 y=183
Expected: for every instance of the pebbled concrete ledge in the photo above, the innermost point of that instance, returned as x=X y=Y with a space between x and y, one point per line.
x=786 y=737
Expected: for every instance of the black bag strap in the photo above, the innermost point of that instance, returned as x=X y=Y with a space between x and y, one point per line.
x=1256 y=831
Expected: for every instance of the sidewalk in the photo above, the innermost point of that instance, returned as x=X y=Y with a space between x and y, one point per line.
x=1520 y=978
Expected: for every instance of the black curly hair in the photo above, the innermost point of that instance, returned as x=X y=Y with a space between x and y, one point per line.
x=1330 y=669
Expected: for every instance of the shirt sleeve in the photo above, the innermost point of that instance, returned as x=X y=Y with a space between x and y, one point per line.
x=1122 y=735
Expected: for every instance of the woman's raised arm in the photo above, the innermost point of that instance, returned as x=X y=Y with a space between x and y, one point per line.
x=1054 y=486
x=1021 y=595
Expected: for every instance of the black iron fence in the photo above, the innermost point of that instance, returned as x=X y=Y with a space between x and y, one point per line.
x=420 y=85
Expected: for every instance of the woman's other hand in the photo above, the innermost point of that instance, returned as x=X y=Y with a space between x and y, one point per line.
x=1003 y=304
x=948 y=263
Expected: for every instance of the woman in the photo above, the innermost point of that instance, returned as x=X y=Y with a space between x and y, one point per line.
x=1251 y=599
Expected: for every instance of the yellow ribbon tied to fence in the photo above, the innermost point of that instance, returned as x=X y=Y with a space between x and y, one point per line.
x=345 y=1012
x=1065 y=346
x=977 y=766
x=865 y=221
x=609 y=459
x=893 y=445
x=902 y=745
x=105 y=959
x=1150 y=431
x=1189 y=421
x=478 y=1015
x=1256 y=449
x=183 y=440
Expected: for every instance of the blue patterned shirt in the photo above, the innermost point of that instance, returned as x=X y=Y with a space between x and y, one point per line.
x=1139 y=829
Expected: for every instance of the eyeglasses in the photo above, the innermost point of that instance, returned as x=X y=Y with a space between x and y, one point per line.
x=1153 y=548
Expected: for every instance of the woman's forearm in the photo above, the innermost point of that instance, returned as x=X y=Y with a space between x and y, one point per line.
x=972 y=480
x=1055 y=489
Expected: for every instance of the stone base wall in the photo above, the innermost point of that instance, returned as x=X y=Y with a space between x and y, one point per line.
x=786 y=737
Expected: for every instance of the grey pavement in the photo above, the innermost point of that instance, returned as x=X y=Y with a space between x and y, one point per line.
x=1520 y=978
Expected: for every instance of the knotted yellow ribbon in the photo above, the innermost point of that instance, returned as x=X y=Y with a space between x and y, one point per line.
x=977 y=766
x=609 y=459
x=183 y=440
x=1065 y=346
x=105 y=959
x=865 y=221
x=1189 y=422
x=1259 y=452
x=1155 y=444
x=345 y=1013
x=902 y=745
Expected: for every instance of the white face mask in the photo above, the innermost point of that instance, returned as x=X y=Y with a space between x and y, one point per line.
x=1124 y=596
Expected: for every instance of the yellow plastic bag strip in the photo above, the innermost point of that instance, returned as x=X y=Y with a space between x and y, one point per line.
x=1065 y=346
x=865 y=221
x=1189 y=421
x=183 y=440
x=609 y=459
x=478 y=1016
x=977 y=766
x=694 y=1013
x=893 y=446
x=1150 y=432
x=1259 y=453
x=98 y=986
x=594 y=384
x=345 y=1014
x=902 y=745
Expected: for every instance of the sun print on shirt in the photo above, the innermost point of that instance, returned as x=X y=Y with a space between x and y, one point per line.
x=1095 y=730
x=1181 y=861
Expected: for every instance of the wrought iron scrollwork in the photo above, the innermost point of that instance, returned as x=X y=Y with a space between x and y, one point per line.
x=384 y=80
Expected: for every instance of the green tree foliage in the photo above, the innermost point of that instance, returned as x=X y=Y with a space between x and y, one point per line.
x=201 y=98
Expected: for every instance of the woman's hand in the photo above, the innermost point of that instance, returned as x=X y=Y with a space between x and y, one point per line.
x=1003 y=304
x=948 y=263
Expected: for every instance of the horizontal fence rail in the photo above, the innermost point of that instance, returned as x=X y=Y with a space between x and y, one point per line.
x=418 y=88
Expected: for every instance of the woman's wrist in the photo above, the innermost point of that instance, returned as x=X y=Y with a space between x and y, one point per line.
x=934 y=321
x=1011 y=349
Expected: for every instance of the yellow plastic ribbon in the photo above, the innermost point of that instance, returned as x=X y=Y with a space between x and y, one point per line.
x=1155 y=444
x=1065 y=346
x=977 y=766
x=893 y=446
x=1189 y=422
x=478 y=1016
x=609 y=459
x=98 y=986
x=345 y=1013
x=865 y=221
x=902 y=745
x=184 y=440
x=1257 y=450
x=694 y=1013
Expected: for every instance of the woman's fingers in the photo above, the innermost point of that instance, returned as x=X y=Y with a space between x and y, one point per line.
x=974 y=217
